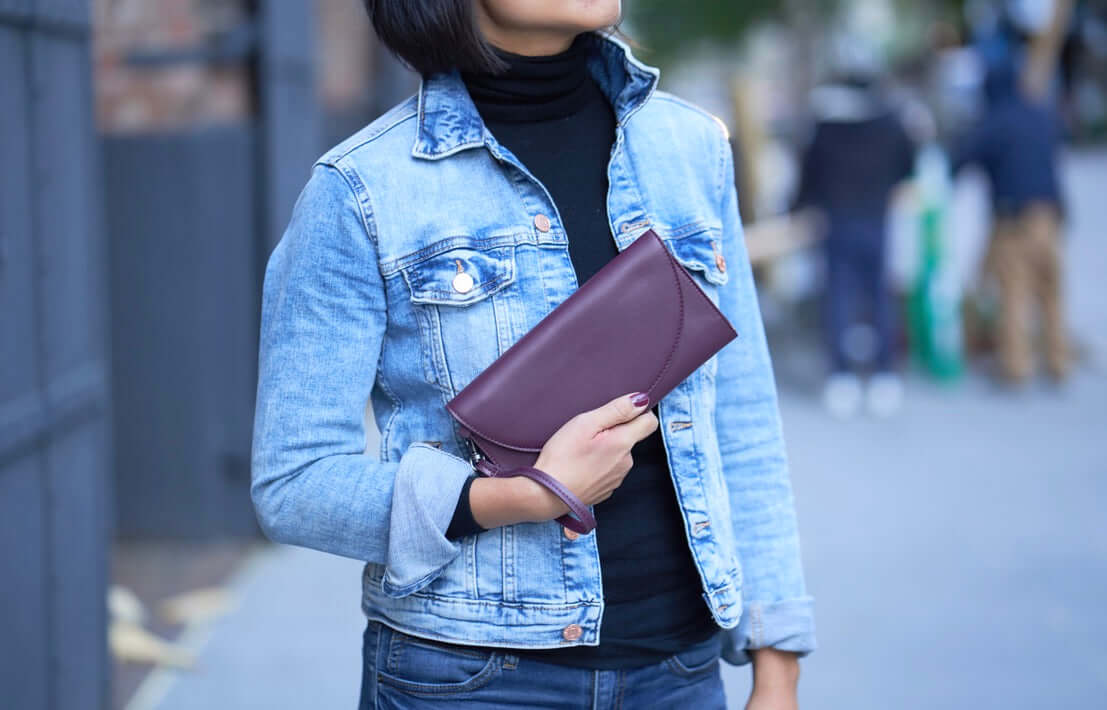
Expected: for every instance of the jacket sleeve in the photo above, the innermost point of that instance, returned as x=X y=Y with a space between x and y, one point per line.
x=322 y=325
x=777 y=610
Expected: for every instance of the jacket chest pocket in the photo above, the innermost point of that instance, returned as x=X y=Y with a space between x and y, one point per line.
x=699 y=249
x=463 y=299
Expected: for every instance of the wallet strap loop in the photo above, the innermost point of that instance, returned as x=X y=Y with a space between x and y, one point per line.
x=583 y=523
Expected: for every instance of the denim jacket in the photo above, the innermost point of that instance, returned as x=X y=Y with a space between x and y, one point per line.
x=361 y=308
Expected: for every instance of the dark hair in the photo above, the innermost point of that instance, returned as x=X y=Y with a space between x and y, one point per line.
x=435 y=35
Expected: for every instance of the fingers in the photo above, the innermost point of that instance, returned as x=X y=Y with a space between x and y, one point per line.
x=630 y=433
x=619 y=410
x=642 y=425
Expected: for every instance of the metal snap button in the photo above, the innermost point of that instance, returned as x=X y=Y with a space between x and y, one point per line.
x=570 y=534
x=572 y=632
x=463 y=282
x=542 y=222
x=720 y=262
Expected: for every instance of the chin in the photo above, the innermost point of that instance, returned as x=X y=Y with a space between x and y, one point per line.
x=597 y=14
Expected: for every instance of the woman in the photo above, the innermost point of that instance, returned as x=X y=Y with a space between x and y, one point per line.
x=536 y=149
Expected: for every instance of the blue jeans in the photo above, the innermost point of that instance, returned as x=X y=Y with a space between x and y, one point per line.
x=402 y=671
x=857 y=285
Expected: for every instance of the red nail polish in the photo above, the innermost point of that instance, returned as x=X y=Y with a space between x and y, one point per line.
x=640 y=399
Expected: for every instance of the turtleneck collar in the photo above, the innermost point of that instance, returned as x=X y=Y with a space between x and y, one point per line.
x=535 y=88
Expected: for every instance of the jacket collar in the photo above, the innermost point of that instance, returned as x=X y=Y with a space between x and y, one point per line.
x=448 y=121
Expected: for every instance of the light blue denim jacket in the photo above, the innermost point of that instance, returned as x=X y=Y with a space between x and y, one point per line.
x=359 y=308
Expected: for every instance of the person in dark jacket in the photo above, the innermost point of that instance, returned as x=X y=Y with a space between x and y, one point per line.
x=1016 y=143
x=859 y=153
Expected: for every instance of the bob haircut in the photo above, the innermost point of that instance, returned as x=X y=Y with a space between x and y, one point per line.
x=432 y=36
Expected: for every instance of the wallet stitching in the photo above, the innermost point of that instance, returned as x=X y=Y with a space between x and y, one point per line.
x=680 y=320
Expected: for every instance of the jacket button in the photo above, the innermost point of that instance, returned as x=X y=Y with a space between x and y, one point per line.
x=463 y=282
x=542 y=222
x=571 y=534
x=571 y=632
x=720 y=262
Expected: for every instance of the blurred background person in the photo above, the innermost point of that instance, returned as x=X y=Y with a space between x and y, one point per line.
x=1016 y=143
x=859 y=152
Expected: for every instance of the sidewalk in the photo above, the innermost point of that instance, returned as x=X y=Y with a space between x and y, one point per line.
x=293 y=640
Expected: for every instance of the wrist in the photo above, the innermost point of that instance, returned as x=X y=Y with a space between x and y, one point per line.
x=506 y=501
x=774 y=671
x=538 y=503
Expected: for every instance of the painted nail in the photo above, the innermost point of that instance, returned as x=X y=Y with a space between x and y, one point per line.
x=640 y=399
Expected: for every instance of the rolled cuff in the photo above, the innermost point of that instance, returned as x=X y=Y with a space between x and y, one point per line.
x=428 y=483
x=787 y=625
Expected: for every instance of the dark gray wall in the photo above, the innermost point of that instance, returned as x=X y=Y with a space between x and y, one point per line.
x=192 y=218
x=180 y=212
x=54 y=413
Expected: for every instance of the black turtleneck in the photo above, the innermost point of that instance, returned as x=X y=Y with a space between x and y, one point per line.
x=550 y=113
x=545 y=109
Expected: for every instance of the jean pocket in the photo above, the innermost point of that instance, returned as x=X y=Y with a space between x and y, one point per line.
x=422 y=666
x=698 y=659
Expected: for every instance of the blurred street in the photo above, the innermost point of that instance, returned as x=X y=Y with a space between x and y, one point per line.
x=956 y=552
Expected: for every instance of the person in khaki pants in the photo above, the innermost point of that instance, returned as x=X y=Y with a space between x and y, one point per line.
x=1026 y=260
x=1017 y=142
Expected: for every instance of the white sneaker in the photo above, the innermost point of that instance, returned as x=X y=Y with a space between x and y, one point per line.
x=842 y=395
x=884 y=395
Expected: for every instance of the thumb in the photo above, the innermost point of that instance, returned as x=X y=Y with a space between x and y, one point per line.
x=619 y=410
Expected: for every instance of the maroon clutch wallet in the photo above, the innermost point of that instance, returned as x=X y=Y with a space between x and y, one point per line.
x=639 y=324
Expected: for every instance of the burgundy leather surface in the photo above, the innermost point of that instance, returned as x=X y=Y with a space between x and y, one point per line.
x=640 y=324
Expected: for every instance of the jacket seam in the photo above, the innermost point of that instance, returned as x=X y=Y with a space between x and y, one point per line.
x=364 y=202
x=721 y=187
x=377 y=133
x=386 y=433
x=674 y=99
x=507 y=239
x=496 y=603
x=636 y=182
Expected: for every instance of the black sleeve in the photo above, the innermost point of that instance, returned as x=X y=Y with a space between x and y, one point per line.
x=463 y=523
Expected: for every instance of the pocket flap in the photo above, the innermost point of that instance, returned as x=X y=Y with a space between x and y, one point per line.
x=700 y=250
x=460 y=276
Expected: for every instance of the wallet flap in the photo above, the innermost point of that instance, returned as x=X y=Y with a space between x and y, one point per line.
x=622 y=331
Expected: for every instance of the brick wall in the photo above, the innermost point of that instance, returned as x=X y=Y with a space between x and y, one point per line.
x=132 y=97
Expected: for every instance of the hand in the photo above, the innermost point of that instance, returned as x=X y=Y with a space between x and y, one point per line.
x=775 y=677
x=589 y=455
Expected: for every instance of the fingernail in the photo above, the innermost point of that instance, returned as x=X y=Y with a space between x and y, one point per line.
x=639 y=399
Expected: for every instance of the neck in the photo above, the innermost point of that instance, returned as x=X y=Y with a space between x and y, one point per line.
x=535 y=87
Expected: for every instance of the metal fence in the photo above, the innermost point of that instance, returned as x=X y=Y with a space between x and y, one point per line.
x=191 y=219
x=54 y=383
x=193 y=216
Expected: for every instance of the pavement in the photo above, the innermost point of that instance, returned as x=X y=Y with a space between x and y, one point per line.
x=957 y=552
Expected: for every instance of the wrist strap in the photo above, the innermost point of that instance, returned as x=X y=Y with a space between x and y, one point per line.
x=583 y=523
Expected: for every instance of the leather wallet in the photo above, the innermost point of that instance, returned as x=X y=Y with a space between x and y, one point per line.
x=639 y=324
